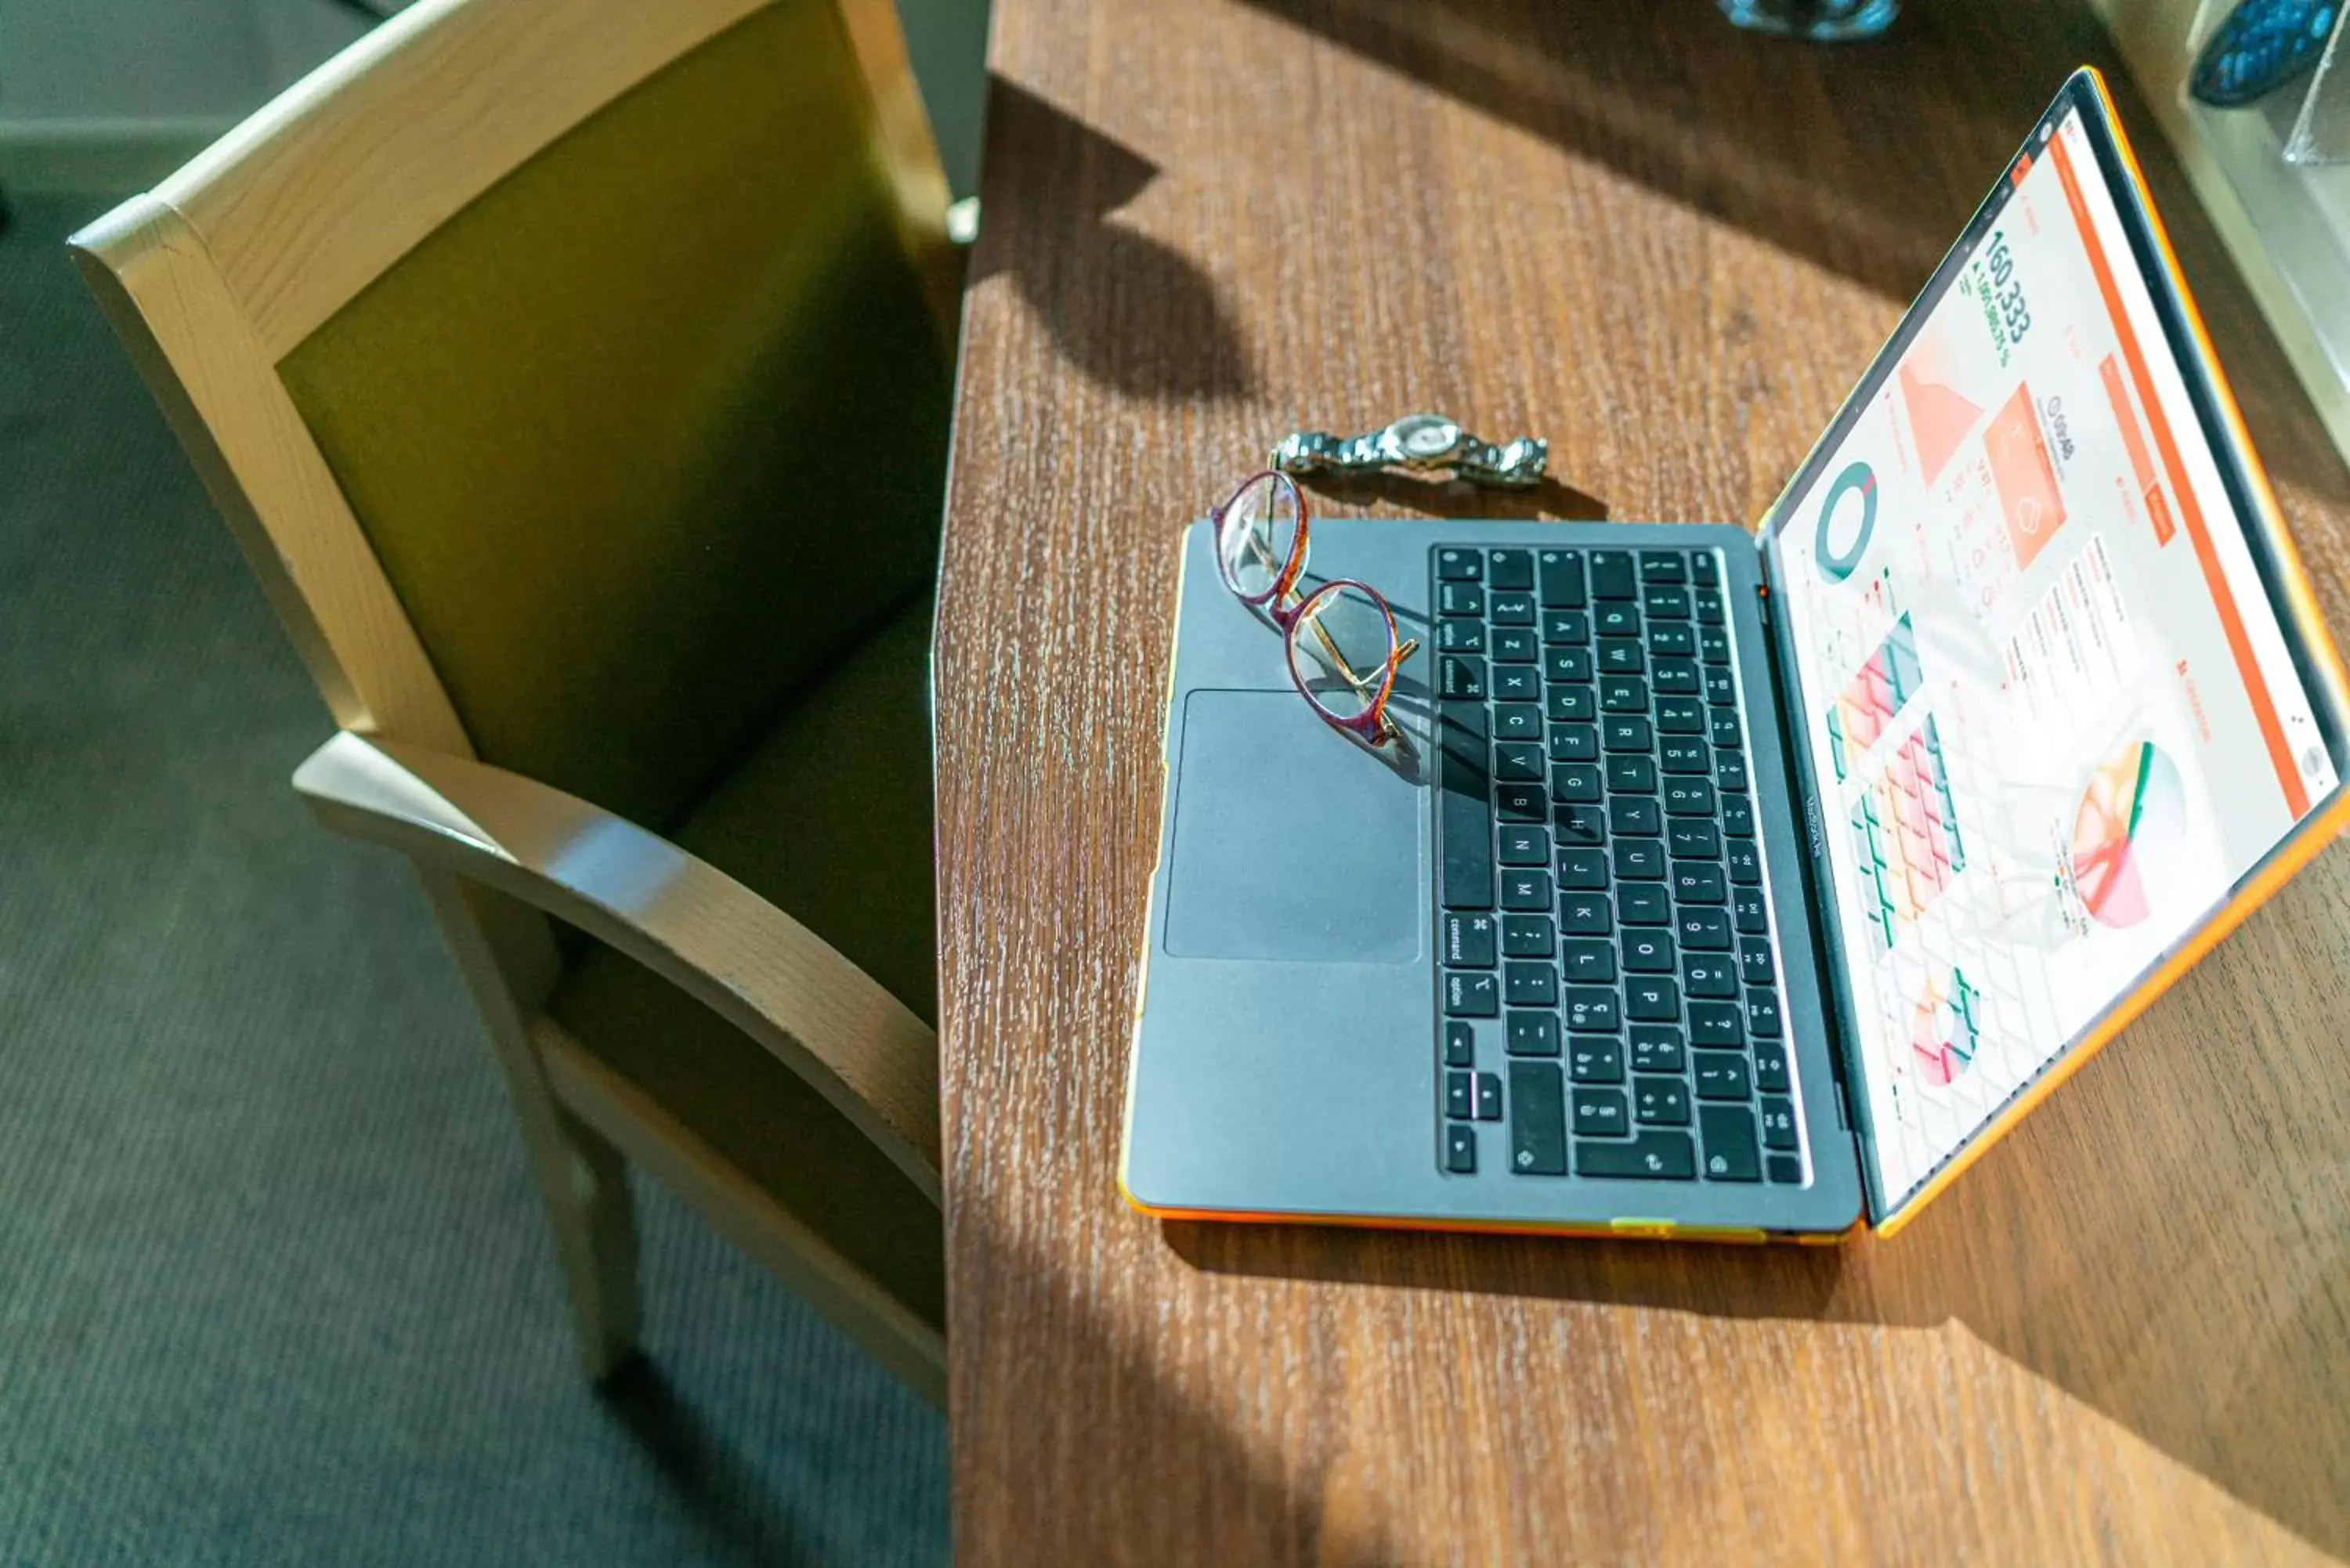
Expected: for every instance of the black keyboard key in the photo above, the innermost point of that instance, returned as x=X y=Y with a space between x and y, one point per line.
x=1461 y=1150
x=1661 y=1102
x=1681 y=716
x=1623 y=694
x=1725 y=729
x=1674 y=677
x=1509 y=569
x=1525 y=890
x=1576 y=784
x=1583 y=870
x=1517 y=721
x=1730 y=1151
x=1585 y=915
x=1460 y=1095
x=1515 y=645
x=1683 y=755
x=1778 y=1124
x=1488 y=1096
x=1510 y=610
x=1460 y=598
x=1582 y=824
x=1707 y=604
x=1523 y=844
x=1754 y=963
x=1588 y=962
x=1460 y=677
x=1762 y=1015
x=1566 y=664
x=1738 y=817
x=1746 y=912
x=1459 y=1044
x=1470 y=994
x=1621 y=659
x=1702 y=929
x=1697 y=882
x=1720 y=1075
x=1537 y=1118
x=1592 y=1008
x=1729 y=771
x=1656 y=1155
x=1469 y=941
x=1526 y=935
x=1638 y=906
x=1716 y=1024
x=1621 y=733
x=1785 y=1167
x=1632 y=774
x=1704 y=570
x=1635 y=813
x=1693 y=841
x=1657 y=1048
x=1666 y=604
x=1652 y=998
x=1562 y=578
x=1574 y=742
x=1529 y=984
x=1640 y=859
x=1714 y=644
x=1771 y=1067
x=1460 y=637
x=1745 y=863
x=1518 y=761
x=1674 y=644
x=1612 y=576
x=1601 y=1113
x=1648 y=950
x=1710 y=975
x=1458 y=566
x=1516 y=683
x=1719 y=688
x=1571 y=705
x=1619 y=620
x=1518 y=802
x=1594 y=1058
x=1565 y=626
x=1663 y=566
x=1687 y=797
x=1532 y=1035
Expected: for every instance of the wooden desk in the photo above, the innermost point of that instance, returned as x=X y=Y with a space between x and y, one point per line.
x=1671 y=249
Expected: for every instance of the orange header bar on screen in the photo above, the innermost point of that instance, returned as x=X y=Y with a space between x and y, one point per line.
x=2231 y=623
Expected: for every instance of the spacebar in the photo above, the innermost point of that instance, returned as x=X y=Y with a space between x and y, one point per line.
x=1465 y=821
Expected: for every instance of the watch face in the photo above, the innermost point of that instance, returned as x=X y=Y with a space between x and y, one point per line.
x=1424 y=437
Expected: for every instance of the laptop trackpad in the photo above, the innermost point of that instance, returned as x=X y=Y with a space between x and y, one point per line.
x=1290 y=843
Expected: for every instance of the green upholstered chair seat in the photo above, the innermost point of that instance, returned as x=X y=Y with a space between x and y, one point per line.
x=828 y=815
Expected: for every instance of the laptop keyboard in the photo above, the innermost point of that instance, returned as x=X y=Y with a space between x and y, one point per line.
x=1608 y=985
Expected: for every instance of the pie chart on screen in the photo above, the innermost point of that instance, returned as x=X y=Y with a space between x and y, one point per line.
x=2127 y=835
x=1942 y=1030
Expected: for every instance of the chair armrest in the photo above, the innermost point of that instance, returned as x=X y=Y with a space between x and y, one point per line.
x=772 y=977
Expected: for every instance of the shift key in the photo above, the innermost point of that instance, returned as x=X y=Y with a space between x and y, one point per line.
x=1537 y=1118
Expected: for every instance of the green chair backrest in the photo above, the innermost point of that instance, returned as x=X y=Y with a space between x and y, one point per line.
x=651 y=430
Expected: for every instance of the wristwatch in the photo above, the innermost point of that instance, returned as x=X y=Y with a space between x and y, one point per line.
x=1417 y=444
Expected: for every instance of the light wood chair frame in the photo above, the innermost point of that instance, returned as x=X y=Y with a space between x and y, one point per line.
x=212 y=278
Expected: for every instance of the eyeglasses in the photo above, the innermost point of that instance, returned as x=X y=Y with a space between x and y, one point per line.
x=1344 y=630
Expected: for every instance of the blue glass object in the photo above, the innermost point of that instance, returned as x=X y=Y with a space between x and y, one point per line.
x=2261 y=45
x=1824 y=19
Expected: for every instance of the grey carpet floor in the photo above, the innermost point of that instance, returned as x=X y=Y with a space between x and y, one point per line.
x=273 y=1286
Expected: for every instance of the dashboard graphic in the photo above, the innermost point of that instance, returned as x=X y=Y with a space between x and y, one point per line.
x=2127 y=834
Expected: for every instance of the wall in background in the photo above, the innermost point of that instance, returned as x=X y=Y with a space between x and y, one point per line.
x=108 y=96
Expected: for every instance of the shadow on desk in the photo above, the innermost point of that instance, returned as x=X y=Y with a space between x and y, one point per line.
x=1816 y=148
x=2169 y=1241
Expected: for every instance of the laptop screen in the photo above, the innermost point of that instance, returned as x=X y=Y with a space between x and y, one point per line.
x=2051 y=714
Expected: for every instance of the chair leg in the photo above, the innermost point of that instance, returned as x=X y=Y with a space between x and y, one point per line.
x=507 y=955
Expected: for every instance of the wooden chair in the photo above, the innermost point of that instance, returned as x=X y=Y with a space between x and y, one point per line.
x=576 y=376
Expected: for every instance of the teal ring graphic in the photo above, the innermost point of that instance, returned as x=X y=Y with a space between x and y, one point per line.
x=1835 y=568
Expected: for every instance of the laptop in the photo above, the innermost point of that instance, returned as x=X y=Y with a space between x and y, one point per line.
x=1749 y=886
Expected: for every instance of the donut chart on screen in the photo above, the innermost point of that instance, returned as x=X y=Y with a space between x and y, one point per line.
x=2127 y=835
x=1943 y=1028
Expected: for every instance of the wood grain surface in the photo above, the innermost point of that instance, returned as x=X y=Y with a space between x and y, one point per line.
x=1671 y=249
